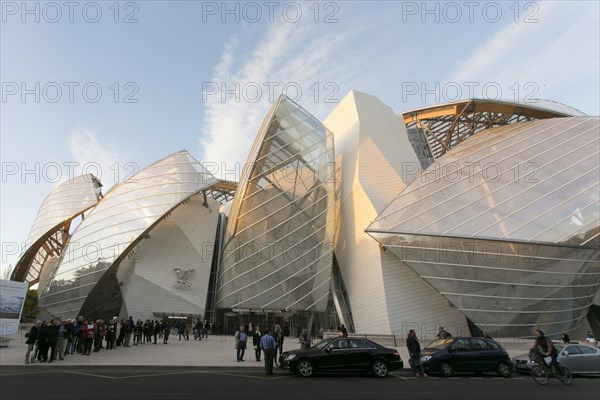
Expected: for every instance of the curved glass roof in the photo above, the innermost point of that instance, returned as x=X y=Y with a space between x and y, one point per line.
x=113 y=226
x=67 y=201
x=536 y=181
x=444 y=126
x=278 y=248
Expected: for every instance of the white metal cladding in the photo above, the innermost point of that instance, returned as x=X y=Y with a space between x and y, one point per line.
x=184 y=241
x=536 y=181
x=278 y=248
x=67 y=201
x=374 y=156
x=125 y=213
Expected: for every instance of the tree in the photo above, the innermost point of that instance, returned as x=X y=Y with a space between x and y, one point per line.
x=31 y=308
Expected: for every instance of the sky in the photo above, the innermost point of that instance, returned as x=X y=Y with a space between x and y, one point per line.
x=110 y=87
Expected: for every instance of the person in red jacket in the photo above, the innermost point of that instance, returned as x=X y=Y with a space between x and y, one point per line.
x=89 y=334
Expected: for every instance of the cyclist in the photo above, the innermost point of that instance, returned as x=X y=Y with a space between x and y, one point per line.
x=546 y=347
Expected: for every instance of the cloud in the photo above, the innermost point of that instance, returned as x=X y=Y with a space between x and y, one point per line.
x=98 y=158
x=300 y=58
x=537 y=60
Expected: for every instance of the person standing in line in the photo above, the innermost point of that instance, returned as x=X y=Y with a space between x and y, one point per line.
x=414 y=351
x=565 y=338
x=269 y=346
x=43 y=342
x=80 y=323
x=138 y=332
x=117 y=333
x=68 y=336
x=53 y=339
x=128 y=328
x=157 y=330
x=241 y=339
x=110 y=335
x=60 y=345
x=76 y=328
x=32 y=341
x=100 y=334
x=278 y=336
x=256 y=342
x=89 y=334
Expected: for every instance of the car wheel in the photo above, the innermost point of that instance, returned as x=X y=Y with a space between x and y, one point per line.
x=380 y=368
x=446 y=369
x=503 y=370
x=305 y=368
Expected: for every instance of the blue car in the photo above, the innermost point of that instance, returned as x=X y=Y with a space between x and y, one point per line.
x=466 y=354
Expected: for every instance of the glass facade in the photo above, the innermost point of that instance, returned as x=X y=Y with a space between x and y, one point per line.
x=50 y=229
x=278 y=246
x=536 y=181
x=112 y=228
x=505 y=288
x=506 y=225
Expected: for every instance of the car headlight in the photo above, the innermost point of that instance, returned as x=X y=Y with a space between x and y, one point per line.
x=426 y=358
x=290 y=357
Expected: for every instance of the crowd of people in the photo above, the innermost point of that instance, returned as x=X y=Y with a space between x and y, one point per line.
x=48 y=342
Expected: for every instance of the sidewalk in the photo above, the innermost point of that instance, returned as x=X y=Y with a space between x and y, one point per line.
x=217 y=351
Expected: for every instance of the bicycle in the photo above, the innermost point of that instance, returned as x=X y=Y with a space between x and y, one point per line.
x=541 y=372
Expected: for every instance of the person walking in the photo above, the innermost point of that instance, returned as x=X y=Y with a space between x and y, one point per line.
x=344 y=331
x=166 y=325
x=256 y=342
x=241 y=339
x=414 y=351
x=442 y=334
x=305 y=340
x=157 y=330
x=269 y=347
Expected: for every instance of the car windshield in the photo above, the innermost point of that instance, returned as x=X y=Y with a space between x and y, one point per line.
x=439 y=344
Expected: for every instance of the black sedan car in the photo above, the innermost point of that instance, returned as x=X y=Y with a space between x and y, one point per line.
x=340 y=355
x=466 y=354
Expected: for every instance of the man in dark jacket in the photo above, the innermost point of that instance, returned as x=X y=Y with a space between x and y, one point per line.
x=414 y=351
x=256 y=342
x=546 y=348
x=43 y=342
x=53 y=338
x=32 y=337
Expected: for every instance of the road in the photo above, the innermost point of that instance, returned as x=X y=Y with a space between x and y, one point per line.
x=147 y=383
